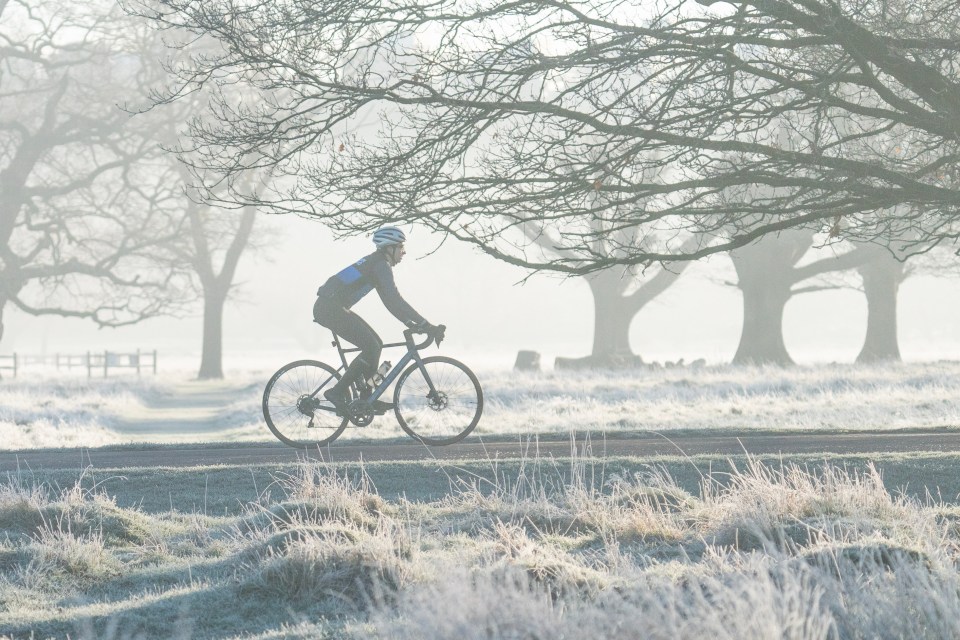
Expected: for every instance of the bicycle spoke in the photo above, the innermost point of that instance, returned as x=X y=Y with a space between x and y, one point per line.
x=447 y=412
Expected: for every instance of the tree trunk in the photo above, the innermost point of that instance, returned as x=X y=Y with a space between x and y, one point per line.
x=612 y=315
x=761 y=340
x=611 y=318
x=211 y=361
x=766 y=274
x=881 y=282
x=613 y=312
x=216 y=286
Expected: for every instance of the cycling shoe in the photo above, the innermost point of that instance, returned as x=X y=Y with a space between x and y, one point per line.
x=338 y=401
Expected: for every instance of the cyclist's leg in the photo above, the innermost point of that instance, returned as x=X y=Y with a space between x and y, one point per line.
x=371 y=346
x=355 y=330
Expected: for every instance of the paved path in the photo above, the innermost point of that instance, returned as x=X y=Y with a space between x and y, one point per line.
x=640 y=445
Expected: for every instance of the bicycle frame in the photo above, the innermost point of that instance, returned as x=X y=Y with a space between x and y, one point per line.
x=412 y=354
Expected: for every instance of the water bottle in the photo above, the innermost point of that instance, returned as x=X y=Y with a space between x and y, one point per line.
x=379 y=375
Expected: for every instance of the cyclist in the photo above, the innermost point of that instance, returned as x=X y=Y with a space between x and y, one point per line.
x=345 y=289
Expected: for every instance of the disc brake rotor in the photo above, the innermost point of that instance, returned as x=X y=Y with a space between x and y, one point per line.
x=437 y=400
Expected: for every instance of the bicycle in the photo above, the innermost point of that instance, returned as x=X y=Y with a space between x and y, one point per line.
x=437 y=400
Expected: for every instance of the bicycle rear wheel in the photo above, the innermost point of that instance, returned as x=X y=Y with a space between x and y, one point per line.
x=295 y=409
x=440 y=403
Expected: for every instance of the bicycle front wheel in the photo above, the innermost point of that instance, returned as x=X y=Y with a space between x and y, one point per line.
x=439 y=402
x=295 y=409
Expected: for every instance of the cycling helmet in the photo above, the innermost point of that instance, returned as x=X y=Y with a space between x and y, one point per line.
x=388 y=236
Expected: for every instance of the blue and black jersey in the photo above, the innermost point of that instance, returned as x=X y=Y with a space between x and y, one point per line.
x=347 y=287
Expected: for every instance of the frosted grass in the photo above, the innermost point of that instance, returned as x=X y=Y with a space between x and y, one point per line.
x=820 y=552
x=718 y=397
x=67 y=411
x=172 y=408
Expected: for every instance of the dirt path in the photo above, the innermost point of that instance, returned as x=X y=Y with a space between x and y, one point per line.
x=183 y=408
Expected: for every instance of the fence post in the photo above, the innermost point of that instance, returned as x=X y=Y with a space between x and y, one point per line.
x=138 y=362
x=154 y=362
x=106 y=358
x=89 y=365
x=14 y=364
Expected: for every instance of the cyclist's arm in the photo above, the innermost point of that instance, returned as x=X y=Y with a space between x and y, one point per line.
x=392 y=300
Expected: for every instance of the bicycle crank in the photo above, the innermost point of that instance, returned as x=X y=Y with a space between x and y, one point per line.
x=360 y=413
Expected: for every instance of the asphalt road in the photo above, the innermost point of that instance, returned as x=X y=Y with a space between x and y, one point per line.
x=615 y=445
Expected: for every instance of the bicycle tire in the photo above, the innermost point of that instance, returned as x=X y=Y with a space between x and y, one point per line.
x=281 y=409
x=421 y=417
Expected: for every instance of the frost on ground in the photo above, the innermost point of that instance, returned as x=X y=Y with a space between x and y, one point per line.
x=65 y=411
x=72 y=411
x=811 y=397
x=767 y=552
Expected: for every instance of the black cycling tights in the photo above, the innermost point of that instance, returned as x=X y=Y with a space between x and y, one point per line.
x=355 y=330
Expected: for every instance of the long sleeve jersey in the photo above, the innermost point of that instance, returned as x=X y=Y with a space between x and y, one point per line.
x=349 y=285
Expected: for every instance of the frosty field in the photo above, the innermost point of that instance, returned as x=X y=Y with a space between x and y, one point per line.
x=801 y=547
x=47 y=411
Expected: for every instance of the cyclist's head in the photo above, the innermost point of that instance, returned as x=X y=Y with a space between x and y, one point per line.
x=390 y=240
x=388 y=236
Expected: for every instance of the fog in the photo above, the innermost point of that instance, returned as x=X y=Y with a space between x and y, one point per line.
x=492 y=312
x=492 y=309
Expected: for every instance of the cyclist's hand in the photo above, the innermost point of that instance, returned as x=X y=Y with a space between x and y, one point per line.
x=436 y=331
x=422 y=327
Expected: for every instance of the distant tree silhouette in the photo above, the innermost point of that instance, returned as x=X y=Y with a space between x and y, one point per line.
x=882 y=275
x=769 y=275
x=619 y=294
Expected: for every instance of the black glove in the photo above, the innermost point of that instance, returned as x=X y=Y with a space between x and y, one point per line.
x=436 y=331
x=422 y=327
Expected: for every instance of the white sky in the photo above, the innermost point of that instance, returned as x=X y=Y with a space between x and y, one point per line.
x=490 y=317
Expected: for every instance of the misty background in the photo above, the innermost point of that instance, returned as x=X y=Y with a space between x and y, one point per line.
x=492 y=312
x=90 y=194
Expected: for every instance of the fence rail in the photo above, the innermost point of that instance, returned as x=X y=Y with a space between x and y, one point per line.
x=8 y=363
x=93 y=361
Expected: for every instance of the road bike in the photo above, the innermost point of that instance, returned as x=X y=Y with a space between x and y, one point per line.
x=437 y=400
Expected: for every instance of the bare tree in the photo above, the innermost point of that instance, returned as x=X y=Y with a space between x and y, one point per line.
x=882 y=274
x=769 y=274
x=87 y=213
x=478 y=99
x=210 y=239
x=218 y=238
x=619 y=294
x=217 y=241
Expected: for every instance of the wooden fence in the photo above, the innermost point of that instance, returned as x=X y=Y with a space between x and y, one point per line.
x=8 y=363
x=94 y=362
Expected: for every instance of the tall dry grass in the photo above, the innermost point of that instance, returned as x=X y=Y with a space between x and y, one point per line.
x=767 y=551
x=553 y=549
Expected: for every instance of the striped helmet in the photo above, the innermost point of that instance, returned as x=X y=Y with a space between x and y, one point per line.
x=388 y=236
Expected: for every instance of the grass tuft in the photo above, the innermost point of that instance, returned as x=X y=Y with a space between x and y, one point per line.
x=323 y=567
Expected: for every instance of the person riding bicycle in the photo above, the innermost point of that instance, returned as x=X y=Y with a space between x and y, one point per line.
x=344 y=289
